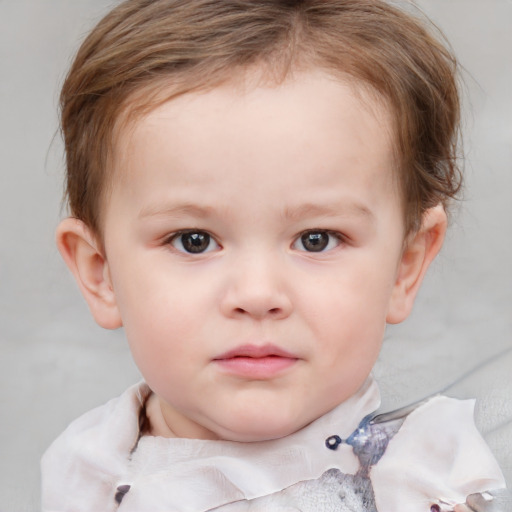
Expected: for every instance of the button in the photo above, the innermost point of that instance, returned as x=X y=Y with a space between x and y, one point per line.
x=333 y=442
x=122 y=490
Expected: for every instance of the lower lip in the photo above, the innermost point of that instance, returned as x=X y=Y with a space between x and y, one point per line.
x=256 y=367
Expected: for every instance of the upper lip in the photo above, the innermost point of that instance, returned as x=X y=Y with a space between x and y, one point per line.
x=256 y=351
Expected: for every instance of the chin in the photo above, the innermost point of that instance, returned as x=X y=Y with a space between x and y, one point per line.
x=262 y=428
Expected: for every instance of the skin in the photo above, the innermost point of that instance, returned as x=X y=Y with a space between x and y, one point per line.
x=254 y=169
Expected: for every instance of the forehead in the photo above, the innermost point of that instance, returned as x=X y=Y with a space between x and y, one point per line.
x=311 y=124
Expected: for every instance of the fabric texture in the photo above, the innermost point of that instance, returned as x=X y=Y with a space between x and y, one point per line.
x=99 y=463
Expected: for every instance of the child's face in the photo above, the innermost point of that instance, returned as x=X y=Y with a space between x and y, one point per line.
x=253 y=241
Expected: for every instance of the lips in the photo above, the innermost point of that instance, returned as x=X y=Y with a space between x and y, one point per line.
x=256 y=352
x=255 y=361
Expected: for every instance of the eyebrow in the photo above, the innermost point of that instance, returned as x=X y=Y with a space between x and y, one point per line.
x=315 y=210
x=177 y=210
x=291 y=214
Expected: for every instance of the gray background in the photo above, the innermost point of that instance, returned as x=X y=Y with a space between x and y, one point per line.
x=55 y=363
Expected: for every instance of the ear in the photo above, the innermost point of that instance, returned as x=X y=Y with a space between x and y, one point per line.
x=420 y=250
x=81 y=251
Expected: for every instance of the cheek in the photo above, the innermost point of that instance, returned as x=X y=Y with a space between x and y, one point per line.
x=347 y=316
x=354 y=292
x=165 y=327
x=163 y=341
x=161 y=315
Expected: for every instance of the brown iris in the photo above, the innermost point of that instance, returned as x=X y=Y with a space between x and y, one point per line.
x=315 y=241
x=195 y=242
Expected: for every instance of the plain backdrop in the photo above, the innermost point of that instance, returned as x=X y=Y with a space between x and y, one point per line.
x=55 y=363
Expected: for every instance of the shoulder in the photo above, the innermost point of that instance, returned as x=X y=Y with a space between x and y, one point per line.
x=92 y=453
x=437 y=453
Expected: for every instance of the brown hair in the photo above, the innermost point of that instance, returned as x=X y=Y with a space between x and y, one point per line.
x=145 y=52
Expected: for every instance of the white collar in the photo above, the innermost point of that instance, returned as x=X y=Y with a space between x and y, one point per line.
x=200 y=475
x=93 y=457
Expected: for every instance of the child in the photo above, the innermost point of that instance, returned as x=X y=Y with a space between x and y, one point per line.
x=256 y=189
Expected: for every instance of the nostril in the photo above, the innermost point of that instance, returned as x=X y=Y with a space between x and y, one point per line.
x=271 y=311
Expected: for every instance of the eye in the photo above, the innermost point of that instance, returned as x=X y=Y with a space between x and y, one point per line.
x=317 y=241
x=193 y=242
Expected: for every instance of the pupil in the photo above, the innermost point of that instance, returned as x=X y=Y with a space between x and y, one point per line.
x=195 y=242
x=315 y=242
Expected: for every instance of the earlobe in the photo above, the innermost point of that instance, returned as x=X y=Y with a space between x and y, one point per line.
x=418 y=254
x=80 y=250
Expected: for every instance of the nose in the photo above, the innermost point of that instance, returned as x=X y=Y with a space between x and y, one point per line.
x=256 y=289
